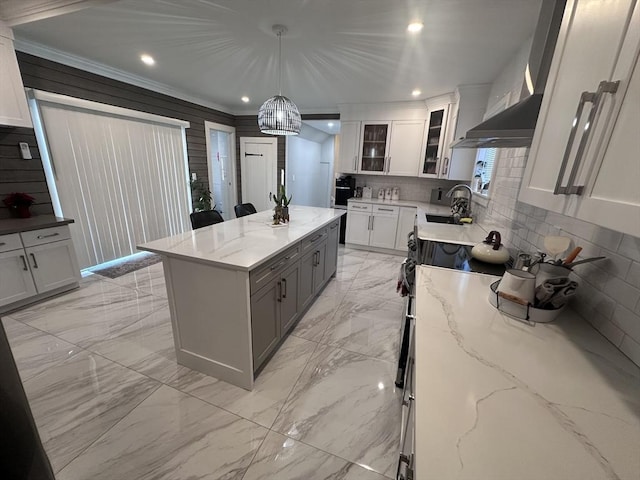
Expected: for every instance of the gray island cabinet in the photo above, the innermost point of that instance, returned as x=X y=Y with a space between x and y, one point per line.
x=237 y=288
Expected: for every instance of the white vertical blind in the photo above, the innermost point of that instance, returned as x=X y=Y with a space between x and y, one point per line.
x=124 y=180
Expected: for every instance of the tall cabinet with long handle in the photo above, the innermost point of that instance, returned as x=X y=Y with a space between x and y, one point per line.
x=349 y=147
x=583 y=159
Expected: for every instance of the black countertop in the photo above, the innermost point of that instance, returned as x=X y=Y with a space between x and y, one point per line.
x=16 y=225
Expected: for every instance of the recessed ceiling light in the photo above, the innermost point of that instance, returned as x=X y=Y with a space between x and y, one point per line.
x=147 y=59
x=245 y=99
x=415 y=27
x=416 y=92
x=330 y=124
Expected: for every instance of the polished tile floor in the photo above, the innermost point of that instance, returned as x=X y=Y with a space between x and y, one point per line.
x=111 y=402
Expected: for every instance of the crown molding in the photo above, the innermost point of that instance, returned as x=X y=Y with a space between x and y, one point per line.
x=59 y=56
x=16 y=13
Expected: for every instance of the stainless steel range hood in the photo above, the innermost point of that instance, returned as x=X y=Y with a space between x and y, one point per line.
x=514 y=126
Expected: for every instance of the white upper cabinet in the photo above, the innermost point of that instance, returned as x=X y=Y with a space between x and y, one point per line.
x=435 y=141
x=13 y=101
x=405 y=147
x=374 y=155
x=349 y=147
x=584 y=156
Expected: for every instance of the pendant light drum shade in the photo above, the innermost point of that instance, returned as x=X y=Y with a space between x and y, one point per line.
x=279 y=116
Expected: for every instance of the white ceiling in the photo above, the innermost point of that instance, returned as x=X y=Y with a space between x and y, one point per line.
x=336 y=51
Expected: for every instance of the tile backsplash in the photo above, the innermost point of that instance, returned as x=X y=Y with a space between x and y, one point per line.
x=411 y=188
x=609 y=292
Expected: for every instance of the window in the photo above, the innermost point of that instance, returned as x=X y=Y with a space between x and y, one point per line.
x=486 y=157
x=122 y=175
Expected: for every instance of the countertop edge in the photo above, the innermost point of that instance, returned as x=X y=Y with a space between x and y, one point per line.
x=32 y=223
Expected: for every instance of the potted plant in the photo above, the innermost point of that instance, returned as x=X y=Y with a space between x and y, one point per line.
x=201 y=196
x=281 y=210
x=19 y=204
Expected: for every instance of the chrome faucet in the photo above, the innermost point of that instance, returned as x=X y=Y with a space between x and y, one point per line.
x=460 y=205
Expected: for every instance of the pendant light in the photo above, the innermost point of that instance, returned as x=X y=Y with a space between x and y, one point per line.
x=279 y=115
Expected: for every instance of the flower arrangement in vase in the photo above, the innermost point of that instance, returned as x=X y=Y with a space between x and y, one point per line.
x=19 y=204
x=281 y=210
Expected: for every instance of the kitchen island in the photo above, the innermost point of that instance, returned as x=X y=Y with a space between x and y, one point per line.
x=499 y=399
x=235 y=289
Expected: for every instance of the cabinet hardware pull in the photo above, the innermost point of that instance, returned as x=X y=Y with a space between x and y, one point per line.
x=593 y=98
x=315 y=238
x=35 y=263
x=24 y=263
x=334 y=226
x=355 y=162
x=603 y=88
x=445 y=170
x=39 y=237
x=283 y=289
x=386 y=209
x=388 y=163
x=2 y=243
x=372 y=220
x=279 y=298
x=275 y=267
x=369 y=223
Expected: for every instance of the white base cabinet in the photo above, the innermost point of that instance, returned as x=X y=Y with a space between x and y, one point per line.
x=372 y=225
x=36 y=263
x=584 y=156
x=406 y=221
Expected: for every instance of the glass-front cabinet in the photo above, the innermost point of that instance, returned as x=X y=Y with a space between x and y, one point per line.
x=434 y=142
x=375 y=141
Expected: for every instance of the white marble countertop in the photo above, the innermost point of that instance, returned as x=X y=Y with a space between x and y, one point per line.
x=501 y=400
x=15 y=225
x=246 y=242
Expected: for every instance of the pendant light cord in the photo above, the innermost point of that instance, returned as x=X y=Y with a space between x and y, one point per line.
x=280 y=63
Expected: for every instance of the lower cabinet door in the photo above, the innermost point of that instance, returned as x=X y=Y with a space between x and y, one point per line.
x=265 y=322
x=318 y=271
x=16 y=282
x=305 y=292
x=53 y=265
x=358 y=227
x=331 y=259
x=289 y=298
x=383 y=232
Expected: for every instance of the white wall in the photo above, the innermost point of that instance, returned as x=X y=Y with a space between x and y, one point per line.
x=609 y=292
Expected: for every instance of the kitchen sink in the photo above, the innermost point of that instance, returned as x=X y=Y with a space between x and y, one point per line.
x=441 y=219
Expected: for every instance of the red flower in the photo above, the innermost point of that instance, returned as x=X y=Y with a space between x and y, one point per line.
x=18 y=199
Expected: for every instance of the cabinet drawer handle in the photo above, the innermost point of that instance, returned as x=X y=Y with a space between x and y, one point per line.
x=315 y=238
x=334 y=226
x=35 y=263
x=2 y=244
x=284 y=288
x=24 y=263
x=586 y=97
x=40 y=237
x=386 y=209
x=275 y=267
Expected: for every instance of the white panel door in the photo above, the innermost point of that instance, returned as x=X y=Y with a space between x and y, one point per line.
x=590 y=39
x=612 y=198
x=53 y=265
x=358 y=228
x=349 y=147
x=405 y=147
x=15 y=281
x=406 y=221
x=259 y=169
x=383 y=231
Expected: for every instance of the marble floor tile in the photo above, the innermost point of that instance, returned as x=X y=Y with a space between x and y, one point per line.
x=271 y=388
x=145 y=346
x=347 y=273
x=336 y=288
x=77 y=401
x=380 y=268
x=90 y=314
x=370 y=328
x=387 y=257
x=171 y=436
x=35 y=351
x=355 y=252
x=316 y=320
x=321 y=410
x=379 y=286
x=283 y=458
x=147 y=280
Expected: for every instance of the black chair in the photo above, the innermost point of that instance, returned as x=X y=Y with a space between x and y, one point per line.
x=205 y=218
x=244 y=209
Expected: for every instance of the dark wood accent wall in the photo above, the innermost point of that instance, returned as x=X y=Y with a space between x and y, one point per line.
x=17 y=175
x=54 y=77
